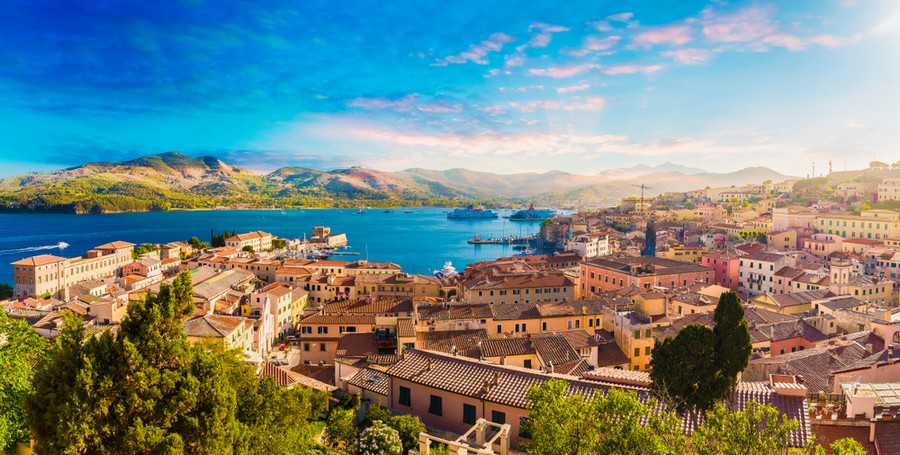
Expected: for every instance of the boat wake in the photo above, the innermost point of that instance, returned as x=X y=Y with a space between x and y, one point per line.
x=60 y=245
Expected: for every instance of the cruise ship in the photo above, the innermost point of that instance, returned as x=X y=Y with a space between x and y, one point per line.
x=532 y=214
x=471 y=213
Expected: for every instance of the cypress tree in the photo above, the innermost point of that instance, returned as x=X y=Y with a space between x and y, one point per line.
x=733 y=343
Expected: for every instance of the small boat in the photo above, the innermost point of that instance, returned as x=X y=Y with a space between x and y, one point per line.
x=62 y=245
x=407 y=211
x=388 y=211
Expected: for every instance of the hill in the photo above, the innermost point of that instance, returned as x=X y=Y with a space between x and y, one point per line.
x=177 y=181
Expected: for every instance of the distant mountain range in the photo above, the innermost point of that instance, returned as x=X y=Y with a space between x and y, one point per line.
x=176 y=181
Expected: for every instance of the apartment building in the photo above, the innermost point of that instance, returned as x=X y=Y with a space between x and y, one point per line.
x=54 y=275
x=725 y=266
x=870 y=224
x=611 y=273
x=282 y=299
x=552 y=286
x=889 y=190
x=756 y=272
x=258 y=240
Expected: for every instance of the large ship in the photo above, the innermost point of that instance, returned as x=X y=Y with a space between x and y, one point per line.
x=532 y=214
x=471 y=213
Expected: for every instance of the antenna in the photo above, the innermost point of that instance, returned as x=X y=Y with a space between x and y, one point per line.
x=642 y=187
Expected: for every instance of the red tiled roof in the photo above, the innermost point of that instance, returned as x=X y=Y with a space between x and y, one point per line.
x=39 y=260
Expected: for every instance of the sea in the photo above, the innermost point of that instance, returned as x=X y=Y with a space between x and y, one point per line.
x=421 y=241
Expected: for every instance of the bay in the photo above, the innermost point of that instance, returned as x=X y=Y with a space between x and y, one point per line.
x=420 y=241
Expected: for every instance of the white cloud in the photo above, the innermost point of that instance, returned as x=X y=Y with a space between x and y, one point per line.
x=477 y=52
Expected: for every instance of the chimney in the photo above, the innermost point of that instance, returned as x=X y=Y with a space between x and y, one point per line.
x=487 y=385
x=453 y=350
x=869 y=348
x=552 y=368
x=502 y=360
x=428 y=367
x=496 y=378
x=771 y=332
x=872 y=429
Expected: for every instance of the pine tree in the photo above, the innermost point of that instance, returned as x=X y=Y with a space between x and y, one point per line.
x=733 y=344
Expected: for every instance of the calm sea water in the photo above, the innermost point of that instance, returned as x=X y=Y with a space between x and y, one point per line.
x=420 y=241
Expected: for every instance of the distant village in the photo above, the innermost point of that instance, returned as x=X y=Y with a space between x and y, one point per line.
x=819 y=281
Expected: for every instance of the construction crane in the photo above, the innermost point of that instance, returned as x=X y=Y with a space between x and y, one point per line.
x=642 y=187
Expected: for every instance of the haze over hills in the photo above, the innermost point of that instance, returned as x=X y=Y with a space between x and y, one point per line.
x=174 y=180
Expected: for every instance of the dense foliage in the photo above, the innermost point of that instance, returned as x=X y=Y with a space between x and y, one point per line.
x=6 y=291
x=733 y=344
x=20 y=348
x=147 y=390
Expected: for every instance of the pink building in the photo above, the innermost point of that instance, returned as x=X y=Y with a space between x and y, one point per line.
x=725 y=264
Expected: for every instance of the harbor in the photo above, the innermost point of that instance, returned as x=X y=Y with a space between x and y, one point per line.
x=507 y=240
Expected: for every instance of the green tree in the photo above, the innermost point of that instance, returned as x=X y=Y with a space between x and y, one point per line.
x=685 y=372
x=340 y=429
x=147 y=390
x=733 y=345
x=375 y=412
x=408 y=427
x=6 y=291
x=847 y=446
x=248 y=249
x=20 y=347
x=378 y=439
x=279 y=243
x=757 y=430
x=142 y=249
x=570 y=424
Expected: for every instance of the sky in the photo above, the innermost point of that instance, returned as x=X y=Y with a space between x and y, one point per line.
x=498 y=86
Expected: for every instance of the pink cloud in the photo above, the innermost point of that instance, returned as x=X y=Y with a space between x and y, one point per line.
x=406 y=104
x=563 y=71
x=798 y=43
x=621 y=17
x=745 y=25
x=631 y=69
x=671 y=34
x=544 y=35
x=477 y=52
x=590 y=103
x=574 y=88
x=514 y=61
x=594 y=44
x=600 y=26
x=689 y=56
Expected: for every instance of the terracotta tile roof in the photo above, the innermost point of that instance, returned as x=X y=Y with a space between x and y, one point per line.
x=555 y=350
x=324 y=374
x=248 y=236
x=497 y=347
x=538 y=280
x=764 y=257
x=457 y=311
x=212 y=325
x=39 y=260
x=661 y=266
x=520 y=310
x=295 y=271
x=610 y=354
x=344 y=319
x=114 y=245
x=406 y=328
x=887 y=437
x=371 y=380
x=619 y=376
x=288 y=379
x=444 y=341
x=356 y=345
x=577 y=338
x=814 y=365
x=799 y=298
x=504 y=385
x=369 y=306
x=827 y=432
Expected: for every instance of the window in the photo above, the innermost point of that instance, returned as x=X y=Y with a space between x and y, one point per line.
x=637 y=334
x=404 y=396
x=647 y=333
x=499 y=328
x=637 y=352
x=647 y=350
x=322 y=347
x=468 y=414
x=436 y=406
x=322 y=330
x=498 y=417
x=527 y=363
x=306 y=347
x=544 y=326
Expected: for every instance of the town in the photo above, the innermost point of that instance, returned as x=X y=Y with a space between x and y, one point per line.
x=816 y=269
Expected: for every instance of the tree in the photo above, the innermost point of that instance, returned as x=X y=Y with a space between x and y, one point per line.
x=196 y=244
x=379 y=439
x=248 y=249
x=6 y=291
x=733 y=345
x=408 y=428
x=570 y=424
x=685 y=370
x=20 y=347
x=340 y=429
x=757 y=430
x=847 y=446
x=142 y=249
x=279 y=243
x=147 y=390
x=375 y=412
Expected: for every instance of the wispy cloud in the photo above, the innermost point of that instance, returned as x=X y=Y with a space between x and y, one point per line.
x=590 y=103
x=543 y=34
x=594 y=44
x=747 y=24
x=631 y=68
x=689 y=56
x=477 y=52
x=574 y=88
x=799 y=43
x=670 y=34
x=621 y=17
x=406 y=103
x=564 y=71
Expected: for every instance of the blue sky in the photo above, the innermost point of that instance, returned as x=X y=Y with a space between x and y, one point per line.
x=500 y=86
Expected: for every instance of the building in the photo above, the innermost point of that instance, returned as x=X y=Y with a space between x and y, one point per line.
x=889 y=190
x=611 y=273
x=682 y=253
x=552 y=286
x=320 y=334
x=232 y=332
x=793 y=217
x=258 y=240
x=756 y=272
x=782 y=240
x=54 y=275
x=870 y=224
x=725 y=265
x=589 y=245
x=282 y=300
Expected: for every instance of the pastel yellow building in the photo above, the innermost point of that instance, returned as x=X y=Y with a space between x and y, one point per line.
x=870 y=224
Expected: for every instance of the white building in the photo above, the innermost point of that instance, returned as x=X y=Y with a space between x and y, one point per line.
x=258 y=240
x=589 y=245
x=756 y=272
